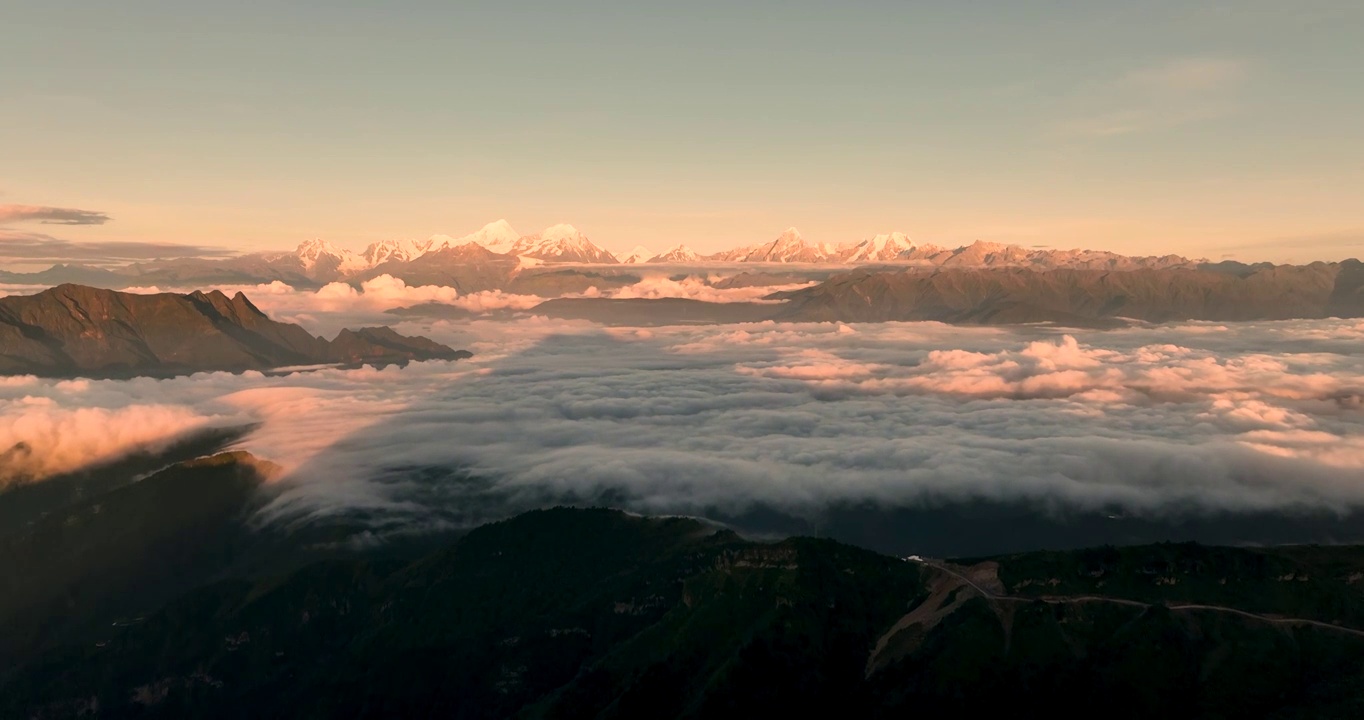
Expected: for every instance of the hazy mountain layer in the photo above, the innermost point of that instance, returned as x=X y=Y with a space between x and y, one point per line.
x=662 y=311
x=74 y=330
x=1083 y=297
x=1000 y=296
x=490 y=257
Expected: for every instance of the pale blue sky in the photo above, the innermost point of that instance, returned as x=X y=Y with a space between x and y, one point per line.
x=1200 y=128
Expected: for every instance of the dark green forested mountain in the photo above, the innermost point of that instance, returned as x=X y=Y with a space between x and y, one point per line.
x=598 y=613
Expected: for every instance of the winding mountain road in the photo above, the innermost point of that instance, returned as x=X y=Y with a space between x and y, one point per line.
x=996 y=597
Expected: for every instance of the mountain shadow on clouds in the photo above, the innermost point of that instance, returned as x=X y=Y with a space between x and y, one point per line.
x=600 y=436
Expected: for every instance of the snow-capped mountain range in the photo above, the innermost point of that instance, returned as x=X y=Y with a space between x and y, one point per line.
x=881 y=248
x=639 y=254
x=561 y=243
x=679 y=254
x=789 y=247
x=564 y=243
x=498 y=237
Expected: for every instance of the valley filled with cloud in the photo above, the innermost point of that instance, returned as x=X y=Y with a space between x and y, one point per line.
x=1160 y=422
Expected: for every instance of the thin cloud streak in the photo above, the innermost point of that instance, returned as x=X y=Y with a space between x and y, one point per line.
x=1187 y=75
x=27 y=248
x=1352 y=238
x=51 y=215
x=1159 y=97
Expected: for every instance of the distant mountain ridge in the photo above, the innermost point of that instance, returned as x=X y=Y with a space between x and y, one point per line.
x=637 y=254
x=317 y=262
x=1011 y=296
x=679 y=254
x=558 y=243
x=72 y=330
x=1084 y=297
x=789 y=247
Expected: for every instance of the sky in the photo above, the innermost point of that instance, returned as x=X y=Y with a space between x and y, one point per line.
x=1207 y=129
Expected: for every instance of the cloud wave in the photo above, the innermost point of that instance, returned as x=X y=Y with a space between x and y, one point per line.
x=1190 y=419
x=39 y=438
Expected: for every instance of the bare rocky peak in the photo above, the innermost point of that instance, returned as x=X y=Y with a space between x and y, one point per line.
x=74 y=330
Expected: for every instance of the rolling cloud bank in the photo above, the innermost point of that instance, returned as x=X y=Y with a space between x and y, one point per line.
x=1174 y=421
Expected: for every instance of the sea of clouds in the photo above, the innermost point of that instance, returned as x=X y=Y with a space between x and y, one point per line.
x=1157 y=422
x=338 y=305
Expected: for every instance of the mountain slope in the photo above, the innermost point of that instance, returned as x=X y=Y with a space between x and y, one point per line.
x=595 y=613
x=26 y=497
x=75 y=330
x=126 y=550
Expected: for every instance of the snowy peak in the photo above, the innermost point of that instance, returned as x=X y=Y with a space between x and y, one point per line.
x=558 y=243
x=395 y=251
x=561 y=243
x=637 y=255
x=789 y=247
x=319 y=256
x=563 y=232
x=679 y=254
x=498 y=236
x=310 y=250
x=984 y=253
x=880 y=248
x=499 y=229
x=564 y=243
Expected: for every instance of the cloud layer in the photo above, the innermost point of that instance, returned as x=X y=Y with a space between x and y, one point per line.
x=339 y=305
x=1162 y=422
x=39 y=438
